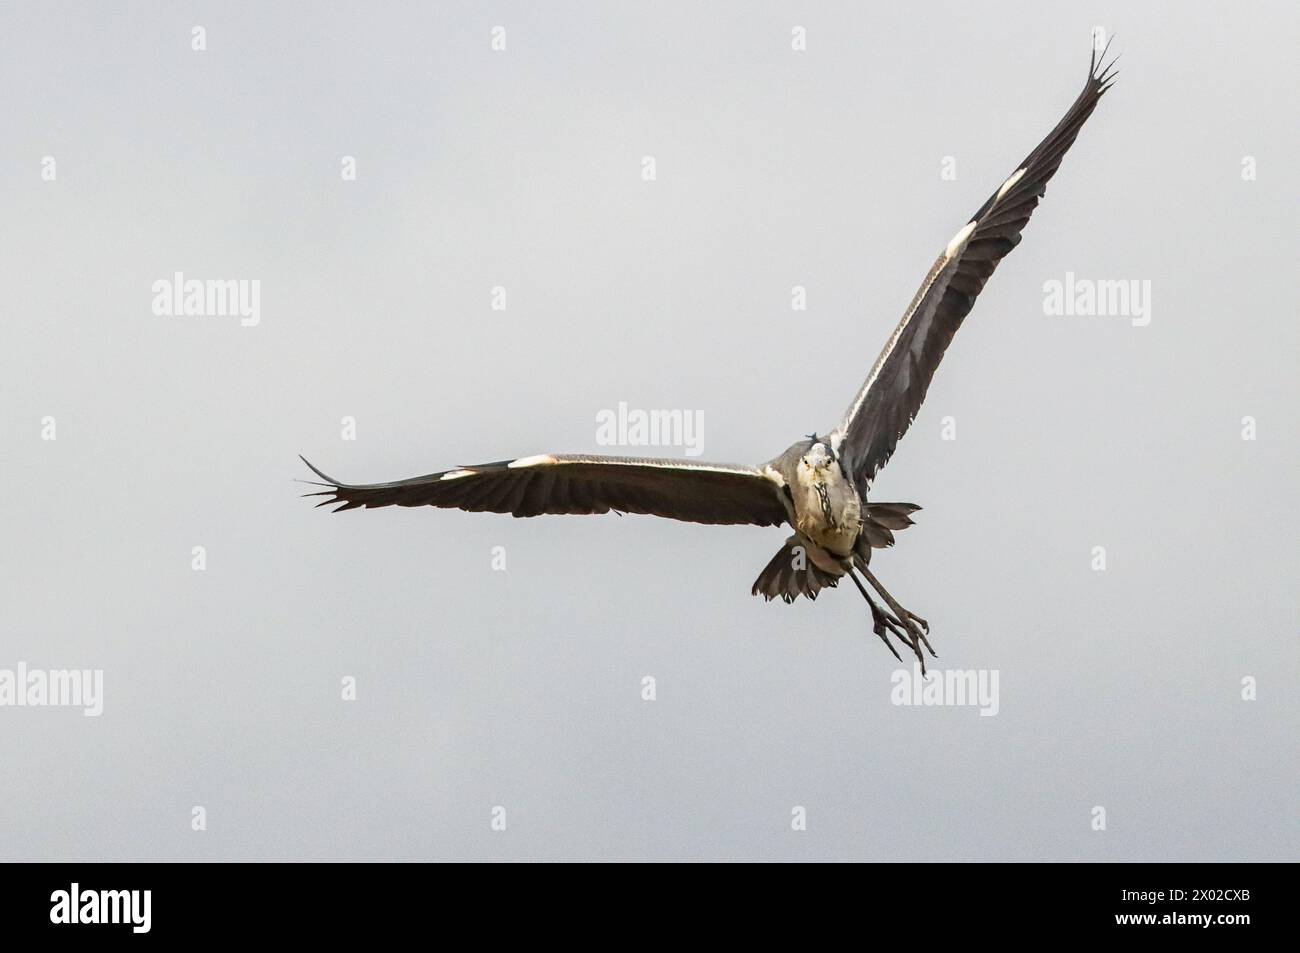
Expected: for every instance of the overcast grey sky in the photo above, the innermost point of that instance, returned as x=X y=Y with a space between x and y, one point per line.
x=522 y=169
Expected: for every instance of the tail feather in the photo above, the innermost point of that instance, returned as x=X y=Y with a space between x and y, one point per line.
x=791 y=574
x=877 y=536
x=892 y=515
x=882 y=519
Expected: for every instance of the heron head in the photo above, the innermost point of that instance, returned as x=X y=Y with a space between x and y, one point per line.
x=817 y=459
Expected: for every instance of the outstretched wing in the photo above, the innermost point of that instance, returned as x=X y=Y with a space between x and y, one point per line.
x=892 y=393
x=574 y=483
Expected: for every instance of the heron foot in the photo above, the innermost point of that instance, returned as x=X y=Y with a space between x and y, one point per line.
x=882 y=623
x=916 y=627
x=922 y=631
x=919 y=630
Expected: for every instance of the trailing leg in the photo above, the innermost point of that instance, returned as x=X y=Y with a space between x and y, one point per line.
x=911 y=621
x=883 y=623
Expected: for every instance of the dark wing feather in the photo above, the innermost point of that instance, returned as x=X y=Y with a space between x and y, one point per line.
x=892 y=394
x=578 y=484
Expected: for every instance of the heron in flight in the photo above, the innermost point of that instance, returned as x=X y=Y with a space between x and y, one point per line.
x=818 y=486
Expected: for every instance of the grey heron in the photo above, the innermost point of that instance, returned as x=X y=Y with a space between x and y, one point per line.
x=818 y=486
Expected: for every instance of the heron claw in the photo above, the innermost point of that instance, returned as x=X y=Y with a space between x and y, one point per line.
x=886 y=622
x=923 y=631
x=901 y=623
x=880 y=630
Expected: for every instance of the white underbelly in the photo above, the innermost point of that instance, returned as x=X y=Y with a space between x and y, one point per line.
x=835 y=539
x=822 y=558
x=838 y=534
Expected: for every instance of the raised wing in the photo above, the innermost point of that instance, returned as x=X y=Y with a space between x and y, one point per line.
x=892 y=393
x=574 y=484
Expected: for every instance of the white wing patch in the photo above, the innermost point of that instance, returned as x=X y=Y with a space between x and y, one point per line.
x=959 y=239
x=455 y=475
x=1009 y=183
x=537 y=460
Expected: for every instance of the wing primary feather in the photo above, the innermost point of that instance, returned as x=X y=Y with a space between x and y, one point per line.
x=580 y=484
x=889 y=399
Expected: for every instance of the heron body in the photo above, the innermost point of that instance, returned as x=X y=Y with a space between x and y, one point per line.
x=818 y=487
x=826 y=506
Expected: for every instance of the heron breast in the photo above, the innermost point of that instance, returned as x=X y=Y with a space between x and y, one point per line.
x=829 y=513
